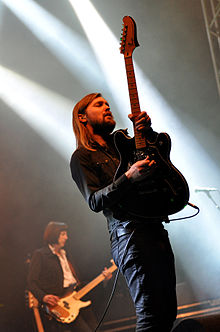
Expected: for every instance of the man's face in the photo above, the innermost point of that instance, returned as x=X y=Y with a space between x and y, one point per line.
x=99 y=116
x=63 y=237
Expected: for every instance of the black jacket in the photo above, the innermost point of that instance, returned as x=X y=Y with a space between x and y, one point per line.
x=93 y=172
x=45 y=274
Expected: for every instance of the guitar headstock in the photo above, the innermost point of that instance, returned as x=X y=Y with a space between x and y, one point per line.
x=33 y=302
x=129 y=36
x=113 y=267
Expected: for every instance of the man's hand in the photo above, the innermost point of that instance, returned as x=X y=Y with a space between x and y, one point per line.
x=142 y=121
x=51 y=299
x=140 y=169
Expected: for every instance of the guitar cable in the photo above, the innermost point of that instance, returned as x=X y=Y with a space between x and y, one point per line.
x=191 y=216
x=115 y=283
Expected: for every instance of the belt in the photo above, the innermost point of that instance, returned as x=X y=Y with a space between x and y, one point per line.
x=120 y=230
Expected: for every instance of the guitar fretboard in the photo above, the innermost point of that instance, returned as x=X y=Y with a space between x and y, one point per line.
x=140 y=141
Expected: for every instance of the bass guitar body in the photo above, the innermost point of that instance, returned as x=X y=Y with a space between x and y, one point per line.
x=164 y=191
x=68 y=307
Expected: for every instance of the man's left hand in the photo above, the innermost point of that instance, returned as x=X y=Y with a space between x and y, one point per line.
x=142 y=121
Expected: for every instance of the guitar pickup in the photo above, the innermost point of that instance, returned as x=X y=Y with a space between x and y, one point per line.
x=66 y=305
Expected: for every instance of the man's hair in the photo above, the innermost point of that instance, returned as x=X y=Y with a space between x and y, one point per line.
x=83 y=136
x=53 y=230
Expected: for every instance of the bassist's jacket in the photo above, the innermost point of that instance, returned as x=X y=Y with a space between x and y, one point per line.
x=45 y=274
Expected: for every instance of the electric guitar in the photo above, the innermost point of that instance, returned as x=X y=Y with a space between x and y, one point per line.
x=165 y=190
x=33 y=303
x=67 y=308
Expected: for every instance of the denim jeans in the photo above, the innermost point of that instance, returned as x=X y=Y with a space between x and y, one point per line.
x=149 y=271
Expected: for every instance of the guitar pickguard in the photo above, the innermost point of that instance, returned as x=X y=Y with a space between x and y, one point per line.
x=67 y=309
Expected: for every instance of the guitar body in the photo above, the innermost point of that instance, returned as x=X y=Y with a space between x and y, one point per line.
x=163 y=192
x=67 y=309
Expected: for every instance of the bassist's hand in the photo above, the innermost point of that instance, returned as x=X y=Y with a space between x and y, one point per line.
x=142 y=121
x=140 y=170
x=50 y=299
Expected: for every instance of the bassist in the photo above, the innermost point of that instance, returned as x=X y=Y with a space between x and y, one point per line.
x=50 y=277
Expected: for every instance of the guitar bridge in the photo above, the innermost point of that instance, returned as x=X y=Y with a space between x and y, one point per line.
x=55 y=313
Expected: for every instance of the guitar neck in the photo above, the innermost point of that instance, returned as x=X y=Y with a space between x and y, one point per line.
x=38 y=320
x=92 y=284
x=140 y=141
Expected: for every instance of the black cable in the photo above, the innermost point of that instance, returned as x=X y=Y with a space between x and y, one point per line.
x=115 y=283
x=117 y=274
x=193 y=215
x=109 y=301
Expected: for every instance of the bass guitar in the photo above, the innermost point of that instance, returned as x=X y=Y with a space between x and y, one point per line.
x=68 y=307
x=165 y=190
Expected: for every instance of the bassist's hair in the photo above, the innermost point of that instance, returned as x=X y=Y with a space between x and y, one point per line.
x=53 y=230
x=83 y=136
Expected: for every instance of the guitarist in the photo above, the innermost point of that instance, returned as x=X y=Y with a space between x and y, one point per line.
x=140 y=248
x=51 y=275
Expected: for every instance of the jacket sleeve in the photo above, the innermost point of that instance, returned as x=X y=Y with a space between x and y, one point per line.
x=34 y=276
x=98 y=197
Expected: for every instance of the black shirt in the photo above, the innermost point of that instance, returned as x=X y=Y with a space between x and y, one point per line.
x=93 y=172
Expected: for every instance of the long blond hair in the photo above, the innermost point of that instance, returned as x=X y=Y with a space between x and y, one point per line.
x=83 y=136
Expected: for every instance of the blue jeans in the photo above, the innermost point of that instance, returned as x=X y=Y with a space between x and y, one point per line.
x=149 y=271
